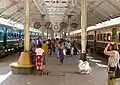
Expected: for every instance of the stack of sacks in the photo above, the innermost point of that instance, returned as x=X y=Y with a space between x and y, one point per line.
x=84 y=67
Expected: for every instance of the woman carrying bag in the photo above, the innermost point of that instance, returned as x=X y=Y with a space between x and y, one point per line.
x=113 y=60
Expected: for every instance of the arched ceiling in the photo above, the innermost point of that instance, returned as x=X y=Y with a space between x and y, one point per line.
x=57 y=11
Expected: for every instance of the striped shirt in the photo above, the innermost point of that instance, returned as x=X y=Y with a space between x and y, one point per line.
x=113 y=60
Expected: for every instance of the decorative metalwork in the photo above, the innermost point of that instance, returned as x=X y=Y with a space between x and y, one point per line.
x=63 y=25
x=48 y=25
x=37 y=25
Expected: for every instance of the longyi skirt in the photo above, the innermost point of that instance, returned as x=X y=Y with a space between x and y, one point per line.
x=39 y=62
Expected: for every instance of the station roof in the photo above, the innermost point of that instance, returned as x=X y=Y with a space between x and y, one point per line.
x=57 y=11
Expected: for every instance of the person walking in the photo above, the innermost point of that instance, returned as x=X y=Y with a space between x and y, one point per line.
x=68 y=47
x=61 y=53
x=45 y=48
x=39 y=59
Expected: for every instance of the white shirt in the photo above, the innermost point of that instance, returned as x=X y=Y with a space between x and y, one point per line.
x=113 y=60
x=39 y=51
x=68 y=45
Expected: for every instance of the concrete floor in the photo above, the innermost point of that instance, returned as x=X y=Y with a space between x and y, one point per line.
x=97 y=77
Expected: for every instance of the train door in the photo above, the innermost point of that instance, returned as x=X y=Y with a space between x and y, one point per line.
x=94 y=42
x=114 y=35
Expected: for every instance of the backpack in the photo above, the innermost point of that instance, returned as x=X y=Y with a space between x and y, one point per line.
x=117 y=70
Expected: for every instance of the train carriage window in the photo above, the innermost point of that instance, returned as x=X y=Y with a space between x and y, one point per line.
x=105 y=37
x=0 y=35
x=12 y=36
x=15 y=35
x=91 y=37
x=97 y=36
x=108 y=37
x=119 y=37
x=9 y=36
x=100 y=37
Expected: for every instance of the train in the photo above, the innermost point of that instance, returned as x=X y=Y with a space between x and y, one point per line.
x=98 y=38
x=10 y=37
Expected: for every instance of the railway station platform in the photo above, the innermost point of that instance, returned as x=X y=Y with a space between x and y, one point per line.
x=66 y=74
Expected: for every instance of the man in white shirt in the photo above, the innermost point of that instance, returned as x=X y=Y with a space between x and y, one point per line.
x=68 y=46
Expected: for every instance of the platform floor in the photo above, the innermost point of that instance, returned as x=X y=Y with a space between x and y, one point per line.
x=97 y=77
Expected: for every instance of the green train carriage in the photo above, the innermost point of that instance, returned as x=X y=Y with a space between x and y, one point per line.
x=9 y=39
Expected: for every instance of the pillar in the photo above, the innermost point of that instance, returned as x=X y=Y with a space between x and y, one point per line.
x=111 y=78
x=42 y=34
x=25 y=56
x=26 y=27
x=68 y=28
x=43 y=25
x=55 y=34
x=24 y=65
x=47 y=33
x=83 y=28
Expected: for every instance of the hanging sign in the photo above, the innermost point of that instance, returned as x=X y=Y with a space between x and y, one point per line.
x=74 y=25
x=63 y=25
x=48 y=25
x=37 y=25
x=56 y=28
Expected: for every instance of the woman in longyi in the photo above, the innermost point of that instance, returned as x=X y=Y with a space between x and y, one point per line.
x=39 y=59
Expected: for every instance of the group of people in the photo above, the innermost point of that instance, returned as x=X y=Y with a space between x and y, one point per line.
x=64 y=47
x=40 y=49
x=38 y=57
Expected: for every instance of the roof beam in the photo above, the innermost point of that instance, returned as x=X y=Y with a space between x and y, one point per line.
x=95 y=16
x=38 y=7
x=113 y=5
x=19 y=10
x=102 y=14
x=8 y=7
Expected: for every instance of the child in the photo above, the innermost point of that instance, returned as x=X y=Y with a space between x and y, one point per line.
x=39 y=59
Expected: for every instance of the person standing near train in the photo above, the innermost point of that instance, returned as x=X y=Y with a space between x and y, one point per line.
x=68 y=47
x=113 y=60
